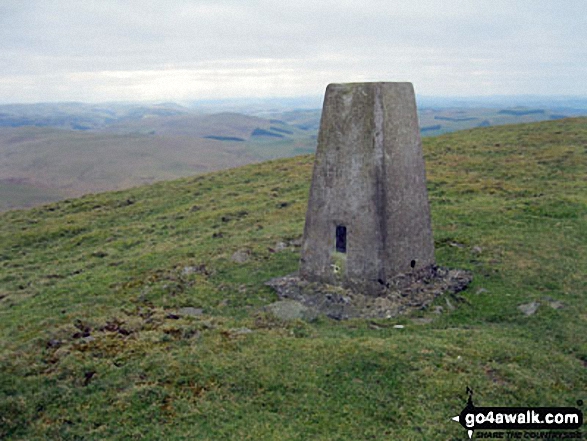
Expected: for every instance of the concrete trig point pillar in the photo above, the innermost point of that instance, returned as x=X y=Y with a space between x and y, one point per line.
x=368 y=217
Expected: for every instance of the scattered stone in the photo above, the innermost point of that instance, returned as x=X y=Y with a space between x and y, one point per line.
x=438 y=310
x=240 y=331
x=398 y=326
x=241 y=256
x=449 y=304
x=88 y=339
x=477 y=249
x=199 y=269
x=556 y=304
x=481 y=291
x=190 y=311
x=529 y=308
x=422 y=320
x=280 y=246
x=405 y=292
x=456 y=244
x=288 y=310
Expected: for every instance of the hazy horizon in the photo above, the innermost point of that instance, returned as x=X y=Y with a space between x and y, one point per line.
x=315 y=102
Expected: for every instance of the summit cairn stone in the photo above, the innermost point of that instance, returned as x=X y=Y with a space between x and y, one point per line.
x=368 y=217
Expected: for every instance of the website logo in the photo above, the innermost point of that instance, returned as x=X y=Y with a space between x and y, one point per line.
x=535 y=419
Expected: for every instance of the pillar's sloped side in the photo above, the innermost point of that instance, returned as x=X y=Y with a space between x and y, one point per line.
x=408 y=225
x=342 y=190
x=368 y=169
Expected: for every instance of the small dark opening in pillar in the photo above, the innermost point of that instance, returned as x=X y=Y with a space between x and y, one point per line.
x=413 y=263
x=341 y=238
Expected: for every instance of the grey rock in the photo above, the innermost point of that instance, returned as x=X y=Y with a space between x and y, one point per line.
x=529 y=308
x=190 y=311
x=438 y=309
x=449 y=304
x=187 y=270
x=481 y=291
x=288 y=310
x=240 y=331
x=477 y=249
x=556 y=304
x=280 y=246
x=241 y=256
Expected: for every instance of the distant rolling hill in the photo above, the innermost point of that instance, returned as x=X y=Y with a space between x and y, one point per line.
x=222 y=124
x=79 y=162
x=82 y=116
x=439 y=120
x=42 y=164
x=55 y=150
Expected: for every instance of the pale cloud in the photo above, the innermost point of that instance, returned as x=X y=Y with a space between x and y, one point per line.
x=155 y=49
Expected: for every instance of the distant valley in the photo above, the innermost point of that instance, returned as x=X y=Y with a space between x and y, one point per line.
x=54 y=151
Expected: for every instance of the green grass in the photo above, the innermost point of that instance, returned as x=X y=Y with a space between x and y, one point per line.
x=508 y=203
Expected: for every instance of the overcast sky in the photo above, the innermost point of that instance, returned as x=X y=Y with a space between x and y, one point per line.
x=104 y=50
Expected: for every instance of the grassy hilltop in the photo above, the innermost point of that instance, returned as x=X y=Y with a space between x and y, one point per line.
x=94 y=343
